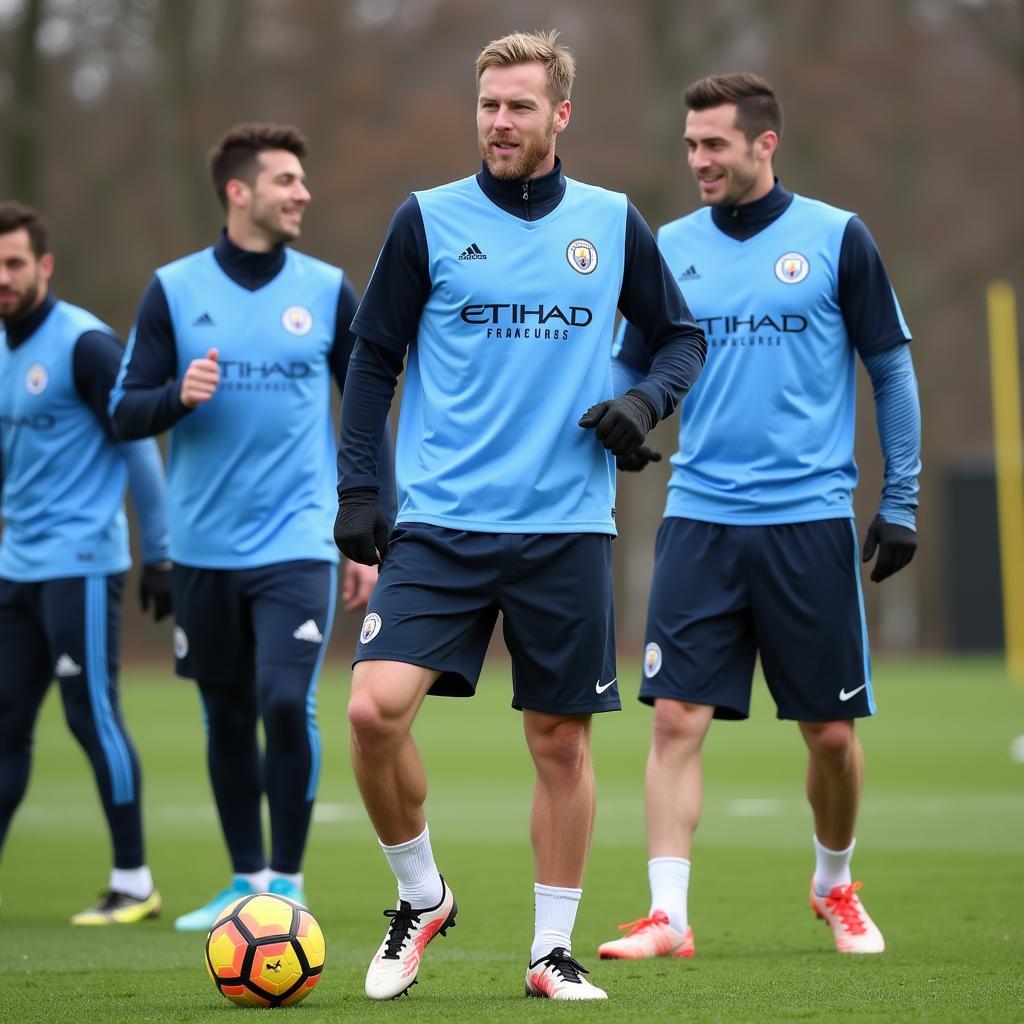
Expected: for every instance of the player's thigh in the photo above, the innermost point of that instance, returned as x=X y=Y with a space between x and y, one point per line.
x=213 y=636
x=559 y=623
x=435 y=604
x=291 y=608
x=699 y=645
x=26 y=659
x=809 y=620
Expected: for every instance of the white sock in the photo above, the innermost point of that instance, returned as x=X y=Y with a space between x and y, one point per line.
x=419 y=883
x=296 y=879
x=831 y=867
x=554 y=914
x=136 y=882
x=670 y=882
x=256 y=880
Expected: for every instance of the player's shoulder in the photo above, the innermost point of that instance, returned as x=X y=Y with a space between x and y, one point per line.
x=699 y=219
x=467 y=186
x=311 y=266
x=584 y=188
x=78 y=320
x=821 y=211
x=185 y=266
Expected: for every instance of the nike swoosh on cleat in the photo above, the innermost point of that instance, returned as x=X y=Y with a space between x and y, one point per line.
x=600 y=689
x=843 y=695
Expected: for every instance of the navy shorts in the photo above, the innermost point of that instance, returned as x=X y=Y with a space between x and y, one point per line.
x=439 y=594
x=790 y=592
x=229 y=620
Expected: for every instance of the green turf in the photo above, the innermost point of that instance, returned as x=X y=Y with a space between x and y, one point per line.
x=941 y=852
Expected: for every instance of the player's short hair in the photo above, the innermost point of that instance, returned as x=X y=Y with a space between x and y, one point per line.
x=524 y=47
x=757 y=109
x=236 y=155
x=15 y=215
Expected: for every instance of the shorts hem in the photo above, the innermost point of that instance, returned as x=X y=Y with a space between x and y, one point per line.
x=561 y=709
x=790 y=716
x=728 y=712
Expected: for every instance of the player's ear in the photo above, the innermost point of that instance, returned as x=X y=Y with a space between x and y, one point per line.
x=562 y=112
x=46 y=265
x=237 y=192
x=765 y=144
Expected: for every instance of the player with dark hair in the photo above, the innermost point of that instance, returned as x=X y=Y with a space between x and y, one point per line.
x=502 y=288
x=64 y=548
x=233 y=351
x=757 y=554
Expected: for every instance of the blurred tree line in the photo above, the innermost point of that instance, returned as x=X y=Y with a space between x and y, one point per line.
x=910 y=112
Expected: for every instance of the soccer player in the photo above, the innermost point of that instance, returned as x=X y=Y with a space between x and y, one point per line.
x=757 y=554
x=234 y=350
x=64 y=548
x=503 y=288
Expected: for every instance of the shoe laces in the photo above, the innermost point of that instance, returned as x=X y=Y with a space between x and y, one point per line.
x=109 y=900
x=843 y=902
x=642 y=923
x=562 y=963
x=402 y=921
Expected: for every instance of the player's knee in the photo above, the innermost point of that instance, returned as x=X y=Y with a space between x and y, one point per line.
x=678 y=723
x=831 y=743
x=373 y=726
x=285 y=713
x=564 y=747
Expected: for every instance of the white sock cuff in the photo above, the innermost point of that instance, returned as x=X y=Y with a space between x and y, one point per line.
x=680 y=861
x=408 y=845
x=557 y=892
x=848 y=852
x=295 y=879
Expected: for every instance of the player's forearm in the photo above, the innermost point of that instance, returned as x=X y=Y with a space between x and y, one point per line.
x=898 y=414
x=624 y=377
x=147 y=486
x=369 y=390
x=675 y=368
x=137 y=412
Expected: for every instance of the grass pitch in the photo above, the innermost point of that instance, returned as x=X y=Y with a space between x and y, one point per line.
x=940 y=850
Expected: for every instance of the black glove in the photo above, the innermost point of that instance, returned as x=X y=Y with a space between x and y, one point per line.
x=360 y=531
x=637 y=459
x=155 y=586
x=896 y=546
x=622 y=423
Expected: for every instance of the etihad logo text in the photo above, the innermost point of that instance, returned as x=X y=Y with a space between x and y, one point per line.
x=237 y=369
x=755 y=331
x=518 y=320
x=38 y=421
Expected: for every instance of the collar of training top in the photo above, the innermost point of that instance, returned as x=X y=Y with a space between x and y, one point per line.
x=251 y=270
x=747 y=219
x=21 y=330
x=544 y=193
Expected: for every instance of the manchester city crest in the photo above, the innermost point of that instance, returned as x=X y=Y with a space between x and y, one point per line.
x=371 y=627
x=652 y=660
x=792 y=267
x=582 y=256
x=36 y=379
x=297 y=320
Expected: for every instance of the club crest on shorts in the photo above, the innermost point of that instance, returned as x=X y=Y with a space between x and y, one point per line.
x=36 y=379
x=371 y=627
x=792 y=267
x=582 y=256
x=297 y=320
x=180 y=643
x=652 y=660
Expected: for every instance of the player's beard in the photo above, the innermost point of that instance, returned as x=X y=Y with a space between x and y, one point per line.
x=23 y=306
x=268 y=219
x=532 y=151
x=742 y=180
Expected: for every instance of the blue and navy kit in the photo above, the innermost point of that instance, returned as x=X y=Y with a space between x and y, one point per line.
x=504 y=294
x=64 y=550
x=251 y=472
x=757 y=552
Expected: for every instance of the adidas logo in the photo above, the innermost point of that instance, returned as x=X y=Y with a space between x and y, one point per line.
x=66 y=667
x=308 y=631
x=203 y=321
x=472 y=252
x=690 y=273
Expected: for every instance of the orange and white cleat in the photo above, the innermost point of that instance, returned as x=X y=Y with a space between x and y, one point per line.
x=558 y=976
x=852 y=928
x=649 y=937
x=396 y=963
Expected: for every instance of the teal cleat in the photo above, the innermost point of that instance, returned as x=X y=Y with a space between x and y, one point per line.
x=203 y=919
x=289 y=890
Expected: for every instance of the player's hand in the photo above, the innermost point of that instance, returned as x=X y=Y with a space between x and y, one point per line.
x=360 y=531
x=636 y=460
x=621 y=424
x=200 y=380
x=359 y=583
x=895 y=544
x=155 y=587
